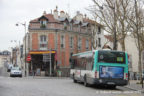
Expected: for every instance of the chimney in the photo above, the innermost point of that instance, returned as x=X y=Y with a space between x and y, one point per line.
x=62 y=14
x=79 y=16
x=51 y=11
x=78 y=12
x=55 y=13
x=44 y=13
x=67 y=15
x=85 y=16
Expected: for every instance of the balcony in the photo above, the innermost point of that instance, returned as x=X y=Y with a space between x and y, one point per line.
x=43 y=26
x=43 y=46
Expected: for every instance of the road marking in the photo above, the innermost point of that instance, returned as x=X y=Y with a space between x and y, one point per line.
x=132 y=94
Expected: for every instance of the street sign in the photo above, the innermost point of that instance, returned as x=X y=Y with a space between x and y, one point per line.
x=46 y=57
x=28 y=58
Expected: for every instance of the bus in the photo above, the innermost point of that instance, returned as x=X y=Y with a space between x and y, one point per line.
x=100 y=67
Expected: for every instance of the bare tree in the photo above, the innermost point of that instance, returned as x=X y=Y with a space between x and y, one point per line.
x=136 y=21
x=113 y=15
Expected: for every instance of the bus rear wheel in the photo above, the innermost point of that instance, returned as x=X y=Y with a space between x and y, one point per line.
x=112 y=86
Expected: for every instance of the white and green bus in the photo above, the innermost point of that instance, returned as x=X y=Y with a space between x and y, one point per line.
x=100 y=67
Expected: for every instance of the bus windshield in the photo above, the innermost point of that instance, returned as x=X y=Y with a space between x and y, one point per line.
x=111 y=57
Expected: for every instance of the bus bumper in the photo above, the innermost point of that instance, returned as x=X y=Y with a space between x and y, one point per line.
x=109 y=82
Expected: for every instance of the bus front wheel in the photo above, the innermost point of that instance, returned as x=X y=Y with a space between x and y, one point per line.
x=85 y=81
x=74 y=80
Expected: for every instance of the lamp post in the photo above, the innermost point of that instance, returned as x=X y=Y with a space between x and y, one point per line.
x=24 y=24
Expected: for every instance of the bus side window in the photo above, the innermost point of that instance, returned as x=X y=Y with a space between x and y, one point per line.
x=89 y=64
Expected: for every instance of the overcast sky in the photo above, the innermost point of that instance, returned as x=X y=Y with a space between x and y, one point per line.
x=13 y=11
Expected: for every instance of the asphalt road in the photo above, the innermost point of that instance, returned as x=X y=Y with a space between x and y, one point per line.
x=52 y=86
x=56 y=87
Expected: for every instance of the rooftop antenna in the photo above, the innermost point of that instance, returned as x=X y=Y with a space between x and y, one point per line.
x=56 y=7
x=51 y=11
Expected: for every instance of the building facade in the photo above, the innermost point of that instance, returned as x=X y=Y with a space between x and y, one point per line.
x=54 y=38
x=5 y=58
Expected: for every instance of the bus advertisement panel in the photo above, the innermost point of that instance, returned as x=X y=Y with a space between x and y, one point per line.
x=111 y=72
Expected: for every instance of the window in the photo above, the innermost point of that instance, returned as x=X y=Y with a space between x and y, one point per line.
x=79 y=43
x=87 y=44
x=99 y=42
x=43 y=23
x=79 y=27
x=43 y=42
x=111 y=57
x=65 y=26
x=99 y=30
x=62 y=41
x=71 y=42
x=43 y=38
x=89 y=64
x=71 y=26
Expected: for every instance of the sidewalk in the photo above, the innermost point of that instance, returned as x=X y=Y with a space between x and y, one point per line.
x=134 y=86
x=43 y=77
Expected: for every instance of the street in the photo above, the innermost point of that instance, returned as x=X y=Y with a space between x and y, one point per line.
x=53 y=86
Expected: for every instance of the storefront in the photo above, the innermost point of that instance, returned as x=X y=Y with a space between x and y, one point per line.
x=43 y=63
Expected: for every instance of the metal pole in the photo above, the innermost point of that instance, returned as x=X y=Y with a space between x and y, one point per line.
x=142 y=67
x=56 y=41
x=56 y=50
x=25 y=49
x=50 y=63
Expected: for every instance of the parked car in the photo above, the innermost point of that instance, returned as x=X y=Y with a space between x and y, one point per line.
x=9 y=67
x=16 y=72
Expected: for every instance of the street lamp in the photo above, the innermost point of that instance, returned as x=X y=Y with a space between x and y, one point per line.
x=24 y=24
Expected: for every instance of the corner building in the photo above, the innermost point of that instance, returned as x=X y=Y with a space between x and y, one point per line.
x=60 y=36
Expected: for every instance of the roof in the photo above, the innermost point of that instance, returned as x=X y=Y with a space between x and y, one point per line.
x=85 y=24
x=106 y=47
x=50 y=18
x=109 y=37
x=92 y=21
x=62 y=11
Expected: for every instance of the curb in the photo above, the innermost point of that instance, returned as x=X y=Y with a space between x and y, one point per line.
x=37 y=77
x=142 y=90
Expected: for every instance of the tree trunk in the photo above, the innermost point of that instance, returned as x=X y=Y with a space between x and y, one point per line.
x=123 y=44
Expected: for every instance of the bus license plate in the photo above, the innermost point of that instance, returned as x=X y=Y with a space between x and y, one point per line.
x=111 y=83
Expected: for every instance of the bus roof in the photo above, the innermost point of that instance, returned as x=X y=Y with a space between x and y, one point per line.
x=83 y=53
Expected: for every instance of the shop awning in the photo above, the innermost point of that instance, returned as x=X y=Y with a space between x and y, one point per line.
x=41 y=52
